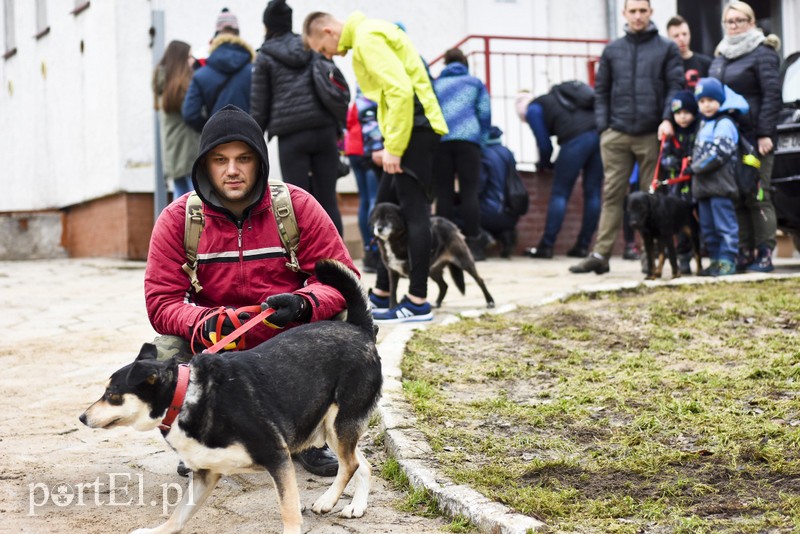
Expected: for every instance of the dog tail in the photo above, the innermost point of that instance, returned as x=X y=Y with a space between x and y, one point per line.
x=457 y=274
x=335 y=274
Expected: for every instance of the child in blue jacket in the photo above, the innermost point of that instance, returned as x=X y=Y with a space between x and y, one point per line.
x=714 y=168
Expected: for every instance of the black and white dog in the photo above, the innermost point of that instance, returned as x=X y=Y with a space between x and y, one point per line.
x=250 y=410
x=658 y=218
x=448 y=249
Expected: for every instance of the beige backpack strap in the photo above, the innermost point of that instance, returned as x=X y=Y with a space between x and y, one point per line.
x=287 y=223
x=191 y=237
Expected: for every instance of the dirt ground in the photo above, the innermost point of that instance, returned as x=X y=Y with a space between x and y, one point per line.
x=67 y=326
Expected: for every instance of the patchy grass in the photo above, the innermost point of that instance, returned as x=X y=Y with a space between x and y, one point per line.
x=420 y=501
x=674 y=409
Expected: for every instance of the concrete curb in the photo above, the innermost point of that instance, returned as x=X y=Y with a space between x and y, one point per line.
x=412 y=451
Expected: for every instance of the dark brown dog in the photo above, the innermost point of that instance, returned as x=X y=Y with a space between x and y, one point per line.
x=658 y=218
x=448 y=249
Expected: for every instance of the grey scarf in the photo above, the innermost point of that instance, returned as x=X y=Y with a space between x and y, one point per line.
x=733 y=46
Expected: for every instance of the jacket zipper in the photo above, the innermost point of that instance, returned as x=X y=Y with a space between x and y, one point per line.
x=633 y=79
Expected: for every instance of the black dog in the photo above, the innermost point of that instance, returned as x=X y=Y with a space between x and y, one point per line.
x=658 y=218
x=250 y=410
x=448 y=249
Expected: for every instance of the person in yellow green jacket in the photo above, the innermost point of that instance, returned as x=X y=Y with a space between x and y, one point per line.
x=390 y=72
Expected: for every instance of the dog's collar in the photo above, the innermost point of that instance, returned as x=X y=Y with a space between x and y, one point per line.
x=177 y=398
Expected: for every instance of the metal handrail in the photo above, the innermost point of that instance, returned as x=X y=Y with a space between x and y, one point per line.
x=507 y=64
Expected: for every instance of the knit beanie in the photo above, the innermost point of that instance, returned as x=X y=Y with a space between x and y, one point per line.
x=226 y=21
x=710 y=88
x=278 y=16
x=683 y=100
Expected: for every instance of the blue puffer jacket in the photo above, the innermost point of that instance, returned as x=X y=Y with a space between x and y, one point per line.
x=230 y=59
x=496 y=162
x=715 y=150
x=465 y=104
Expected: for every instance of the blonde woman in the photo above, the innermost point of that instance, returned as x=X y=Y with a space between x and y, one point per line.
x=179 y=142
x=747 y=61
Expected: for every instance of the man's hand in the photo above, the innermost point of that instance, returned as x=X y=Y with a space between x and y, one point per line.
x=665 y=130
x=210 y=333
x=391 y=163
x=377 y=158
x=764 y=145
x=288 y=308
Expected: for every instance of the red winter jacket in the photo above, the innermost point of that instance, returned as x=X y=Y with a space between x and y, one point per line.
x=238 y=267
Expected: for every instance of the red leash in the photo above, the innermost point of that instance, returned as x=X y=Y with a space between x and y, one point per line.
x=183 y=369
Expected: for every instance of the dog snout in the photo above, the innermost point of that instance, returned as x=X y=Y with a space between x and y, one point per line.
x=82 y=419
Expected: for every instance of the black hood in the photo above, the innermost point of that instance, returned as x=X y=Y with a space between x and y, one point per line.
x=226 y=125
x=574 y=94
x=288 y=48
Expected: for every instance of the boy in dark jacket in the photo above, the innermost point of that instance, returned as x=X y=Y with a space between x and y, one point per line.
x=714 y=166
x=675 y=149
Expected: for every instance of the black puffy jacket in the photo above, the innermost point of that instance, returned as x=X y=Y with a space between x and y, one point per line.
x=755 y=76
x=282 y=97
x=637 y=76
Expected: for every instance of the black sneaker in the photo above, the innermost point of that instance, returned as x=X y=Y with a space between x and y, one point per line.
x=319 y=461
x=595 y=263
x=508 y=239
x=182 y=469
x=631 y=252
x=540 y=252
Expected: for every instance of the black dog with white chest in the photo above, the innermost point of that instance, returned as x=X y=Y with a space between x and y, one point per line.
x=658 y=218
x=448 y=249
x=250 y=410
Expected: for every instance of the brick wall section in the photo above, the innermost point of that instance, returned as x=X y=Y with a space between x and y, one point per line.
x=117 y=226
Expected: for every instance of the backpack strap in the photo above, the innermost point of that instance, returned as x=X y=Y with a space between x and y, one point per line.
x=191 y=237
x=287 y=223
x=281 y=209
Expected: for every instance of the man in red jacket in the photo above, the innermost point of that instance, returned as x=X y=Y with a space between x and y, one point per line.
x=241 y=258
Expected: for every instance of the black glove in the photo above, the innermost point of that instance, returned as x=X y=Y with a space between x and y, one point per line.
x=288 y=308
x=226 y=326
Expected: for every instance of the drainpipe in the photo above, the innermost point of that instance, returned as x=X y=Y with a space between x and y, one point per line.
x=157 y=45
x=611 y=19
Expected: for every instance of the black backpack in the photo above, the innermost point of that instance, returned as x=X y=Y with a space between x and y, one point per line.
x=517 y=197
x=330 y=86
x=748 y=162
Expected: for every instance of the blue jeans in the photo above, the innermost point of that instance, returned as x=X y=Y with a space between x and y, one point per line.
x=719 y=227
x=181 y=186
x=367 y=182
x=582 y=152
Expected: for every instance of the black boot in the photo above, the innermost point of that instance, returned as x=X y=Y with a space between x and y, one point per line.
x=319 y=461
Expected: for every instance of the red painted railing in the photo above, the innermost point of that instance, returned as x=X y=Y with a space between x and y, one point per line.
x=508 y=64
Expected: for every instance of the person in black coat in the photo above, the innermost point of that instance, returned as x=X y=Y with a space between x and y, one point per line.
x=748 y=62
x=695 y=65
x=636 y=79
x=284 y=104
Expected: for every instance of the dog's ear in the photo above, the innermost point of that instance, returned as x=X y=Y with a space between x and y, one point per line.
x=142 y=371
x=148 y=352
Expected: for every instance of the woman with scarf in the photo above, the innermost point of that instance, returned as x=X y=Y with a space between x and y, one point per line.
x=748 y=62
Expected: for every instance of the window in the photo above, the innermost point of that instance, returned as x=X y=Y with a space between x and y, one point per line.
x=42 y=28
x=8 y=20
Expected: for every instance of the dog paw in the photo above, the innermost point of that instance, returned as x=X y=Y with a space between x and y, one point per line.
x=350 y=511
x=143 y=531
x=322 y=506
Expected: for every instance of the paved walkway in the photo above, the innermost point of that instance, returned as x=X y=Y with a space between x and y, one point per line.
x=64 y=321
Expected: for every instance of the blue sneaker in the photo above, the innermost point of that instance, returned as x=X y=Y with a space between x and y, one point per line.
x=405 y=312
x=378 y=304
x=762 y=262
